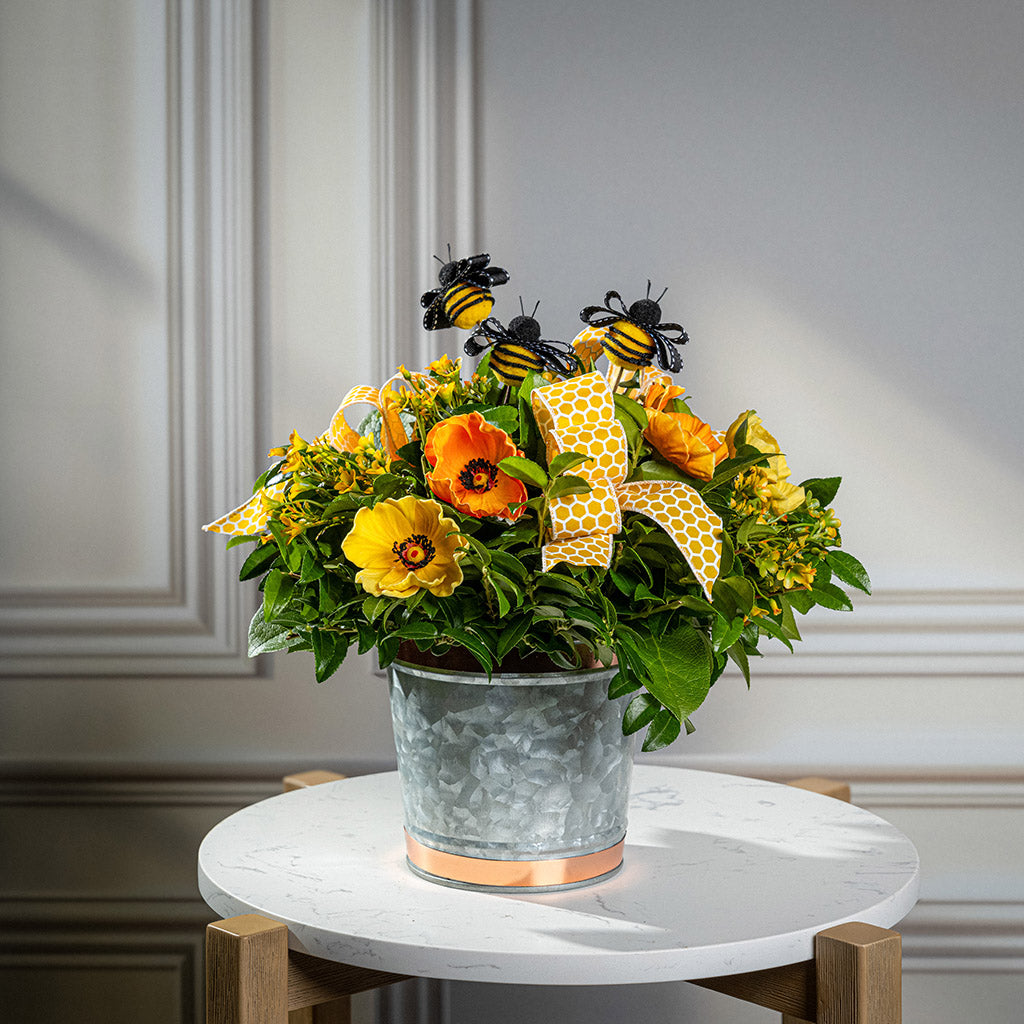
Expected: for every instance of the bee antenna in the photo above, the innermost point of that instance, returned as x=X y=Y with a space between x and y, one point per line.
x=535 y=308
x=662 y=295
x=438 y=258
x=521 y=308
x=648 y=287
x=449 y=252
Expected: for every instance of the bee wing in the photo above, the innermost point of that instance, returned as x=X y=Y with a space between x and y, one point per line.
x=435 y=318
x=681 y=337
x=588 y=311
x=428 y=297
x=558 y=355
x=473 y=347
x=668 y=356
x=469 y=268
x=496 y=276
x=608 y=296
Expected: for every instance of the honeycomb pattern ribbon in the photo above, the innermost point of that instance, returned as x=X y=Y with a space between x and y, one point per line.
x=251 y=517
x=578 y=415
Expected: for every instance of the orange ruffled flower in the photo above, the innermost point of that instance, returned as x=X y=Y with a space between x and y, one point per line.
x=658 y=394
x=686 y=442
x=464 y=452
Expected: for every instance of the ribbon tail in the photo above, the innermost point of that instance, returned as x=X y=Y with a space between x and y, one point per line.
x=680 y=511
x=251 y=517
x=595 y=549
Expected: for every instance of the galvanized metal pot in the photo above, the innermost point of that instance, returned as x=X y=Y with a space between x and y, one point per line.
x=517 y=782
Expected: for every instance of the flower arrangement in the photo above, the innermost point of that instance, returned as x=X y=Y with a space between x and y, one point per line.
x=542 y=511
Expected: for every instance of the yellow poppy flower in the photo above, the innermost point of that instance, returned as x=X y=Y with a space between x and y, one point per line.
x=403 y=546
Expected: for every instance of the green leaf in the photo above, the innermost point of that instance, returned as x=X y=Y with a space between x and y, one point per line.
x=524 y=469
x=676 y=668
x=265 y=637
x=276 y=592
x=639 y=712
x=417 y=631
x=311 y=568
x=509 y=565
x=630 y=409
x=823 y=488
x=789 y=626
x=849 y=570
x=828 y=595
x=504 y=417
x=655 y=469
x=744 y=458
x=733 y=597
x=728 y=555
x=258 y=561
x=621 y=684
x=531 y=382
x=663 y=731
x=568 y=484
x=473 y=644
x=329 y=650
x=751 y=530
x=800 y=600
x=374 y=607
x=567 y=460
x=768 y=625
x=739 y=656
x=724 y=633
x=511 y=635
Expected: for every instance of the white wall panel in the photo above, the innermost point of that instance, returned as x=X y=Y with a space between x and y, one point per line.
x=128 y=340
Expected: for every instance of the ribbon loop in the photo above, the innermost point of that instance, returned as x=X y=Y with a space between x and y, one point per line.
x=578 y=415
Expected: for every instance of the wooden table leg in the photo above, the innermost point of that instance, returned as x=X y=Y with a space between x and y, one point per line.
x=246 y=971
x=859 y=971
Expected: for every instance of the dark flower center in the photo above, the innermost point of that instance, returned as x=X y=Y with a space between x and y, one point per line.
x=414 y=552
x=478 y=475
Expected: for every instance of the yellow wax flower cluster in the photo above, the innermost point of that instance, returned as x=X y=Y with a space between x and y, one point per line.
x=431 y=394
x=318 y=466
x=784 y=558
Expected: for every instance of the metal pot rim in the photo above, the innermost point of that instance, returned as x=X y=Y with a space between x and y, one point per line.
x=561 y=677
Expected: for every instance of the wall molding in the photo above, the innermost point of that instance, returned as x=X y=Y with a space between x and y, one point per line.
x=160 y=947
x=196 y=622
x=910 y=633
x=424 y=166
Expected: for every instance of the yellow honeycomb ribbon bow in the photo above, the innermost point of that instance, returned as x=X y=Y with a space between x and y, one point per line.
x=578 y=415
x=252 y=516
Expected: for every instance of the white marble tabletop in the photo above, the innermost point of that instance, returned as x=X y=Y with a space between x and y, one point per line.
x=722 y=875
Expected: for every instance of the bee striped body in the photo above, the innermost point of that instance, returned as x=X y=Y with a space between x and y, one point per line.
x=465 y=305
x=518 y=349
x=464 y=297
x=511 y=363
x=627 y=345
x=631 y=338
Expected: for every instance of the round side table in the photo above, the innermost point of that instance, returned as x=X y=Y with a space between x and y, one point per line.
x=723 y=875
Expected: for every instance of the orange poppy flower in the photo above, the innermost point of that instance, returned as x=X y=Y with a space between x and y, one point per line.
x=464 y=452
x=686 y=442
x=658 y=394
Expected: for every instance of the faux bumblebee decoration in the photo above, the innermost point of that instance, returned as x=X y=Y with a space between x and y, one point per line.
x=634 y=335
x=464 y=298
x=519 y=348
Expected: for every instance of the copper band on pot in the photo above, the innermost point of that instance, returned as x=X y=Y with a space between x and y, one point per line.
x=513 y=873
